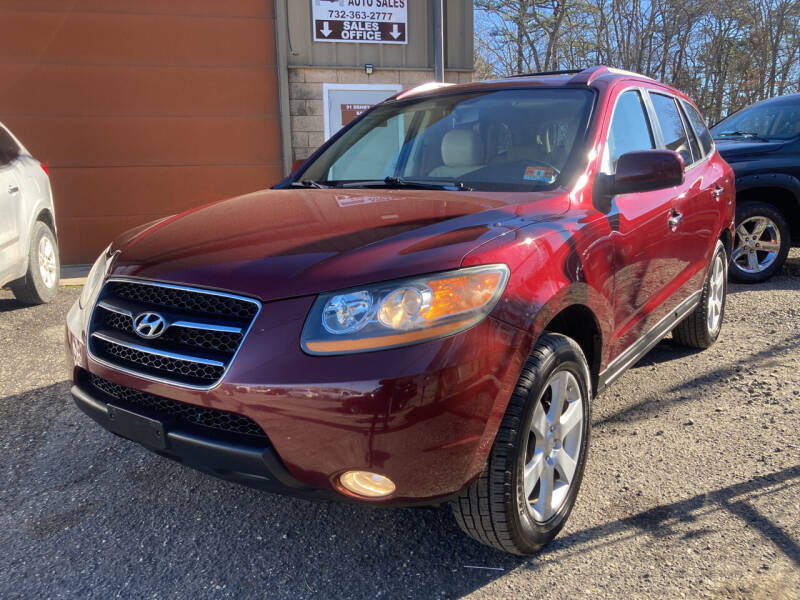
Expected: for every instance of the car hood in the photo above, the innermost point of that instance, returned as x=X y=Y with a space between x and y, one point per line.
x=283 y=243
x=743 y=148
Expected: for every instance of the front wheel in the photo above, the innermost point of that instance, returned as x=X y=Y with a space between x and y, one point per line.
x=40 y=284
x=762 y=242
x=530 y=481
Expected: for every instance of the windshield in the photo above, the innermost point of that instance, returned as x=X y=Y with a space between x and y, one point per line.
x=771 y=121
x=509 y=140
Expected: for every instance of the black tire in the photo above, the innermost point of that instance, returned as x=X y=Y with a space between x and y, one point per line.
x=750 y=210
x=494 y=509
x=32 y=289
x=696 y=330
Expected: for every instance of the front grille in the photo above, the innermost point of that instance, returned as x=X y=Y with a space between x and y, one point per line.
x=210 y=340
x=202 y=331
x=184 y=300
x=117 y=321
x=165 y=409
x=155 y=364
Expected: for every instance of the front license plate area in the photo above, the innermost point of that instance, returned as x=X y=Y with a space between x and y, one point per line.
x=137 y=428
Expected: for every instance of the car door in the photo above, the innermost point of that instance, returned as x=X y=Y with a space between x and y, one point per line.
x=709 y=176
x=10 y=200
x=644 y=264
x=695 y=208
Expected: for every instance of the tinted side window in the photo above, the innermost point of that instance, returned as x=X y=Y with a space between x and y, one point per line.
x=630 y=129
x=8 y=147
x=696 y=152
x=699 y=127
x=672 y=126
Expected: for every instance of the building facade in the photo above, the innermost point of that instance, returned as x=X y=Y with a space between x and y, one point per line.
x=145 y=108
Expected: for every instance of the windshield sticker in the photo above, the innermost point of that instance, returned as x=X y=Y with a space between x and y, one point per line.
x=545 y=174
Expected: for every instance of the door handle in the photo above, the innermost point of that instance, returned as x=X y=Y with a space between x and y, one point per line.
x=675 y=220
x=13 y=189
x=717 y=192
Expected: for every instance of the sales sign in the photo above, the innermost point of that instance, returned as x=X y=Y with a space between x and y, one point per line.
x=360 y=21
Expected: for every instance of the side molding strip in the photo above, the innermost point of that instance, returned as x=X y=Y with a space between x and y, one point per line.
x=633 y=353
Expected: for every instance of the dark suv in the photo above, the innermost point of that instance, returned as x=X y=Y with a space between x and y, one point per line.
x=762 y=144
x=422 y=313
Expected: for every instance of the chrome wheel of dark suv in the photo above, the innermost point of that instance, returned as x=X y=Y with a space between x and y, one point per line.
x=762 y=242
x=758 y=241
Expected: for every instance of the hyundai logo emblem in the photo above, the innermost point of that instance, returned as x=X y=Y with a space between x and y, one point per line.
x=149 y=325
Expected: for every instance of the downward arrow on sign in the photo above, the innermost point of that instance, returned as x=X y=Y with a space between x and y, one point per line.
x=395 y=33
x=326 y=31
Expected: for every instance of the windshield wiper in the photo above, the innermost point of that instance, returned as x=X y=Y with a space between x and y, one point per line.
x=309 y=183
x=400 y=182
x=747 y=134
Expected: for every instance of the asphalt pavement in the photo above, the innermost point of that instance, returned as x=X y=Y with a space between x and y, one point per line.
x=692 y=490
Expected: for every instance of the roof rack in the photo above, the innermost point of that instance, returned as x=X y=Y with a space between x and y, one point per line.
x=584 y=76
x=540 y=73
x=423 y=87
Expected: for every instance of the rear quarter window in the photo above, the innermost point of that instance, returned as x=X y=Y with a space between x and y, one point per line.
x=675 y=137
x=699 y=125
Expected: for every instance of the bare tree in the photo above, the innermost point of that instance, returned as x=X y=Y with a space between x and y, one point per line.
x=724 y=53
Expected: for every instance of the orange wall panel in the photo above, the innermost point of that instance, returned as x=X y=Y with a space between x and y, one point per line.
x=141 y=108
x=141 y=192
x=84 y=90
x=212 y=8
x=107 y=202
x=149 y=141
x=135 y=39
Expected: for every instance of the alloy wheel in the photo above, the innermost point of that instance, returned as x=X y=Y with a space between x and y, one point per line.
x=758 y=242
x=554 y=445
x=47 y=261
x=716 y=293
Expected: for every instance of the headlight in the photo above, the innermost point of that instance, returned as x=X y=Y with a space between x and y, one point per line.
x=403 y=312
x=96 y=276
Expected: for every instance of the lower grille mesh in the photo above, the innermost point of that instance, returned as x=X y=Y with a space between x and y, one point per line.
x=160 y=364
x=164 y=408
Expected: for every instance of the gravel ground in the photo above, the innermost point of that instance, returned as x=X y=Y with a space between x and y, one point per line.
x=692 y=490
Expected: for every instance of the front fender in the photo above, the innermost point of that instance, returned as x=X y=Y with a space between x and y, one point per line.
x=778 y=180
x=554 y=265
x=30 y=217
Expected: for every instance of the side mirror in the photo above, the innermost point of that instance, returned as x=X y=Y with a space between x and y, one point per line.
x=647 y=170
x=297 y=164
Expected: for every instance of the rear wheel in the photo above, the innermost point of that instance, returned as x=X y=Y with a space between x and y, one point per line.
x=701 y=327
x=762 y=242
x=40 y=284
x=531 y=479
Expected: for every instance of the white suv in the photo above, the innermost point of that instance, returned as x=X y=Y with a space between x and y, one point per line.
x=29 y=262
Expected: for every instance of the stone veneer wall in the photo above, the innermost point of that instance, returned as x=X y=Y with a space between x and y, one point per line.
x=305 y=97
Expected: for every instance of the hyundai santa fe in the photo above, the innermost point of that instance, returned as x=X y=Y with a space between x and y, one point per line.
x=422 y=312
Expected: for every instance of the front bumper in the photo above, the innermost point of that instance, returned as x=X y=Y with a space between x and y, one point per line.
x=251 y=465
x=425 y=416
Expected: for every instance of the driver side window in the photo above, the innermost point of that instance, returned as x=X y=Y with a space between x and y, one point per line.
x=8 y=147
x=629 y=131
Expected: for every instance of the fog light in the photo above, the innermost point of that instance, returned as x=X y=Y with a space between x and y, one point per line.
x=364 y=483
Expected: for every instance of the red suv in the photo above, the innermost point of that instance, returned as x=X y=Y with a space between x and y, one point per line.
x=422 y=312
